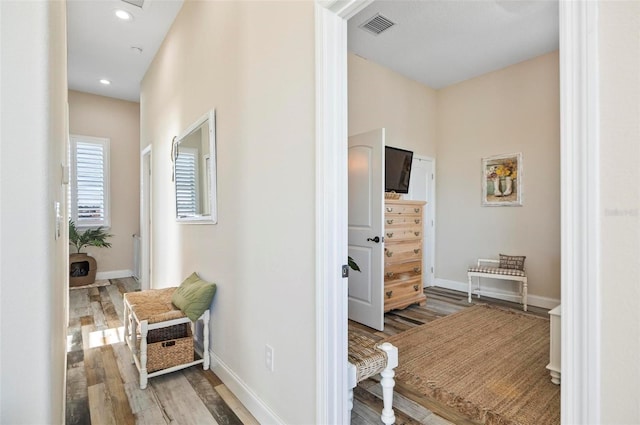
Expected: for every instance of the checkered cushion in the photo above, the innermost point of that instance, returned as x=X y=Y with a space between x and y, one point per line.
x=496 y=270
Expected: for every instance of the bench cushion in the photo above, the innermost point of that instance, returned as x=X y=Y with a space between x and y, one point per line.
x=496 y=270
x=365 y=356
x=194 y=296
x=153 y=305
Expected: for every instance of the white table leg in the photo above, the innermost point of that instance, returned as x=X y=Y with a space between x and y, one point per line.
x=387 y=382
x=351 y=382
x=524 y=293
x=143 y=354
x=469 y=291
x=205 y=343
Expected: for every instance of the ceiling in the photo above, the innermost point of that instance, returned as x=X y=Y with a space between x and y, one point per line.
x=101 y=46
x=435 y=42
x=439 y=43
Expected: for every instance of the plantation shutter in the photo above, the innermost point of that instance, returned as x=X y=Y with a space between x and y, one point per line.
x=89 y=192
x=186 y=183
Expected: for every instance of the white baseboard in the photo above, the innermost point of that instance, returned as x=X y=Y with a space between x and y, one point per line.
x=247 y=397
x=114 y=274
x=494 y=289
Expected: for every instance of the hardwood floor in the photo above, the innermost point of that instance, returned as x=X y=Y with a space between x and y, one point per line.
x=411 y=407
x=102 y=383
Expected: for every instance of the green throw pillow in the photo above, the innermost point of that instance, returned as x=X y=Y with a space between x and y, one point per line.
x=194 y=296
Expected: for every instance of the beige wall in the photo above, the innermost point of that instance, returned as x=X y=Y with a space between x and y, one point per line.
x=119 y=121
x=381 y=98
x=33 y=263
x=619 y=39
x=515 y=109
x=260 y=80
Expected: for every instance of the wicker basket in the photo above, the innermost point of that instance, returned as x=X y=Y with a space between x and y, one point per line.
x=391 y=195
x=167 y=333
x=173 y=352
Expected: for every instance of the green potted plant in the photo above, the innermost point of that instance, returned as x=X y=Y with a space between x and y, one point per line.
x=82 y=267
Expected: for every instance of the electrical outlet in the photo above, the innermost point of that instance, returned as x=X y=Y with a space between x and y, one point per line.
x=268 y=357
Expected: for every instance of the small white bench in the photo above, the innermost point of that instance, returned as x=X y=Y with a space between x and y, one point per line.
x=367 y=359
x=495 y=272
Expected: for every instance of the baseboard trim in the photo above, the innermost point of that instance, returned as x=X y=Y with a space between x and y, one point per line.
x=493 y=292
x=241 y=390
x=114 y=274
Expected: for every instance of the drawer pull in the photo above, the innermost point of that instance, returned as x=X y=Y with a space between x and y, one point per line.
x=389 y=293
x=416 y=269
x=415 y=251
x=389 y=274
x=415 y=287
x=415 y=209
x=390 y=221
x=389 y=253
x=389 y=234
x=389 y=209
x=416 y=233
x=417 y=220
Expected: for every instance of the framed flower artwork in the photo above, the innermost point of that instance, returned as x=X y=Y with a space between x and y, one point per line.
x=502 y=180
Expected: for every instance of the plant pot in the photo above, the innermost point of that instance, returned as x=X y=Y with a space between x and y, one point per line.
x=82 y=269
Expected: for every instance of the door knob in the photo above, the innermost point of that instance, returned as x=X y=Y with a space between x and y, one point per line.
x=376 y=239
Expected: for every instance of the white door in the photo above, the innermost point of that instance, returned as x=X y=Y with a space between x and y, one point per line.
x=366 y=193
x=422 y=188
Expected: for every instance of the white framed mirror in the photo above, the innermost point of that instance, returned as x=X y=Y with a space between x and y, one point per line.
x=194 y=171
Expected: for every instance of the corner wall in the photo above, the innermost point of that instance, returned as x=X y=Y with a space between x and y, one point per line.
x=619 y=183
x=515 y=109
x=254 y=62
x=382 y=98
x=33 y=262
x=118 y=120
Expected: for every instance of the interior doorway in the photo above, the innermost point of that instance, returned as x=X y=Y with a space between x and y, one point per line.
x=145 y=218
x=422 y=187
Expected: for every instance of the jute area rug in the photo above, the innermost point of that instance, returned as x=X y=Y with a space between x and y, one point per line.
x=485 y=362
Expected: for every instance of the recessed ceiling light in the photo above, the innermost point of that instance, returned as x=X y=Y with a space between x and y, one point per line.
x=105 y=82
x=124 y=15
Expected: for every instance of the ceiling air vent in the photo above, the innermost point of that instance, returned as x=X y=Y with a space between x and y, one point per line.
x=377 y=24
x=138 y=3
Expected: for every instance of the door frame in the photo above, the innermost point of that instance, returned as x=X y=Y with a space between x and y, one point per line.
x=431 y=206
x=146 y=194
x=579 y=77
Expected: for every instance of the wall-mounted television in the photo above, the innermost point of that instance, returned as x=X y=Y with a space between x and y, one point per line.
x=397 y=169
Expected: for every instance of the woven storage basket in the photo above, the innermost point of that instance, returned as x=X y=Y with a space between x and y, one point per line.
x=167 y=333
x=174 y=352
x=391 y=195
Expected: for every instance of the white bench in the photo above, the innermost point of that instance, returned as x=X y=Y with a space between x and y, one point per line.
x=367 y=359
x=496 y=272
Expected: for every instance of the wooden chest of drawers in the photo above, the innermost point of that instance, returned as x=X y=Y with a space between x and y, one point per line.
x=403 y=232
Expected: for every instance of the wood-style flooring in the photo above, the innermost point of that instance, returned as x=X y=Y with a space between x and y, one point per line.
x=409 y=406
x=102 y=383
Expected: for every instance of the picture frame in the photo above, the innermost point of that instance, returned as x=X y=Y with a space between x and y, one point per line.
x=502 y=180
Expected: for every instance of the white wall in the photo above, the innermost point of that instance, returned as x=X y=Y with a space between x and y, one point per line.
x=619 y=39
x=254 y=63
x=119 y=121
x=382 y=98
x=515 y=109
x=33 y=264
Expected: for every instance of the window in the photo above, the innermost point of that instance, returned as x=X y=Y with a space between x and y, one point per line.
x=89 y=181
x=187 y=182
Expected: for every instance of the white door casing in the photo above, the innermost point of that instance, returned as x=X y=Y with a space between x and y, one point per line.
x=365 y=223
x=422 y=187
x=145 y=218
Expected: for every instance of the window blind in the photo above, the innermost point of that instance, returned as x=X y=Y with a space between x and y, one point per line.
x=186 y=183
x=89 y=182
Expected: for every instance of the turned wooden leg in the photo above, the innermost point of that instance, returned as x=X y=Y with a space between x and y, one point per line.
x=470 y=283
x=387 y=382
x=524 y=294
x=351 y=382
x=144 y=330
x=205 y=343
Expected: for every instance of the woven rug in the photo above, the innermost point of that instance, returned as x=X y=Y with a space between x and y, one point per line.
x=485 y=362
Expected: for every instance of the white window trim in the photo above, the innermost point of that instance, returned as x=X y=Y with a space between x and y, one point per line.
x=73 y=206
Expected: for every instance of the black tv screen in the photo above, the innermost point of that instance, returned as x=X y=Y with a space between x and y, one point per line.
x=397 y=169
